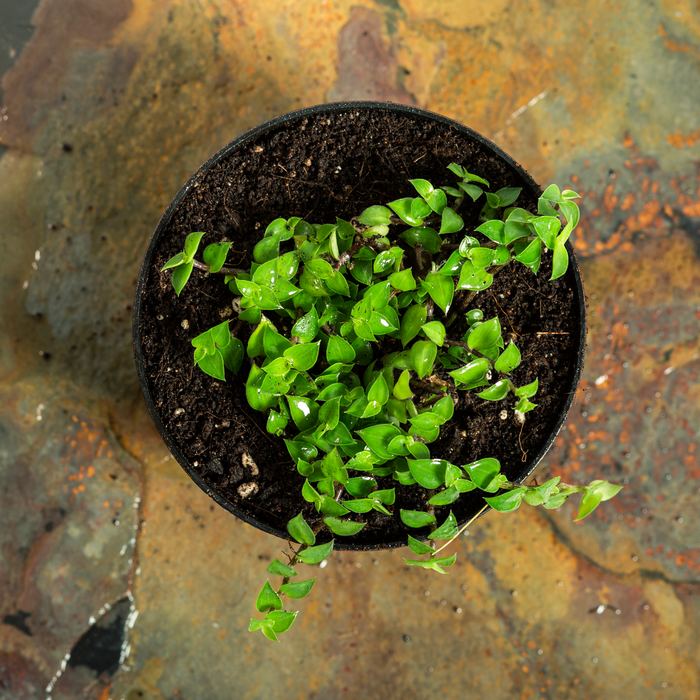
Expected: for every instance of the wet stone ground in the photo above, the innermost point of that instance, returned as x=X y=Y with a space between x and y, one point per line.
x=120 y=579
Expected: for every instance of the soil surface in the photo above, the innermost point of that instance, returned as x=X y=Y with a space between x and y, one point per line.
x=337 y=164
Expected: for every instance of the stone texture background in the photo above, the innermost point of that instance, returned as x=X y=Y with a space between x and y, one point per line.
x=106 y=110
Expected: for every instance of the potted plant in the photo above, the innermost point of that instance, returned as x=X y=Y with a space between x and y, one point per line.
x=361 y=325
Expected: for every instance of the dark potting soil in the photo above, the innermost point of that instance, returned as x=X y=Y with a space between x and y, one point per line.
x=337 y=164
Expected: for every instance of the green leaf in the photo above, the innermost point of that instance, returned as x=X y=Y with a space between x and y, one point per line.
x=359 y=505
x=213 y=365
x=471 y=373
x=508 y=501
x=423 y=354
x=451 y=221
x=509 y=359
x=375 y=216
x=268 y=599
x=329 y=506
x=486 y=335
x=472 y=190
x=423 y=187
x=560 y=261
x=379 y=295
x=426 y=421
x=596 y=492
x=267 y=249
x=301 y=450
x=453 y=265
x=418 y=547
x=411 y=323
x=429 y=473
x=191 y=244
x=496 y=392
x=531 y=256
x=403 y=281
x=277 y=567
x=445 y=498
x=419 y=209
x=299 y=529
x=441 y=289
x=378 y=390
x=402 y=390
x=402 y=208
x=281 y=620
x=474 y=278
x=180 y=276
x=343 y=528
x=447 y=530
x=524 y=405
x=416 y=518
x=360 y=486
x=303 y=355
x=514 y=231
x=433 y=564
x=528 y=391
x=547 y=228
x=304 y=411
x=508 y=195
x=315 y=555
x=339 y=350
x=483 y=471
x=427 y=237
x=435 y=331
x=298 y=589
x=444 y=408
x=495 y=230
x=176 y=260
x=266 y=627
x=378 y=437
x=437 y=200
x=258 y=399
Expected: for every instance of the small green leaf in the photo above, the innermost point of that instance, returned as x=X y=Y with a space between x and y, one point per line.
x=451 y=221
x=441 y=289
x=180 y=276
x=423 y=187
x=402 y=208
x=343 y=528
x=429 y=473
x=427 y=237
x=303 y=355
x=416 y=518
x=329 y=506
x=527 y=391
x=506 y=502
x=509 y=359
x=191 y=244
x=267 y=249
x=445 y=498
x=508 y=195
x=496 y=392
x=378 y=437
x=403 y=281
x=298 y=589
x=277 y=567
x=375 y=216
x=360 y=486
x=268 y=599
x=596 y=492
x=483 y=471
x=304 y=411
x=472 y=373
x=495 y=230
x=447 y=530
x=315 y=555
x=411 y=323
x=299 y=529
x=378 y=391
x=339 y=350
x=435 y=331
x=481 y=258
x=402 y=390
x=560 y=260
x=423 y=354
x=301 y=450
x=474 y=278
x=486 y=335
x=418 y=547
x=531 y=256
x=444 y=408
x=176 y=260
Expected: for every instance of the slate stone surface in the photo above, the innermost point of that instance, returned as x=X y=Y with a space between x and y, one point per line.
x=105 y=543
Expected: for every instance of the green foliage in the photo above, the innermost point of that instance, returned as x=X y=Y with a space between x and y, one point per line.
x=352 y=357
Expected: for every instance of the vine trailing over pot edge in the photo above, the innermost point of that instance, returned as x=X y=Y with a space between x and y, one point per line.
x=357 y=380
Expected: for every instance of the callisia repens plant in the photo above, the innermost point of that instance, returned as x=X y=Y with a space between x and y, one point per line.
x=351 y=323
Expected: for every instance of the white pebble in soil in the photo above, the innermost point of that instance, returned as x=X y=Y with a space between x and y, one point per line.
x=249 y=462
x=248 y=489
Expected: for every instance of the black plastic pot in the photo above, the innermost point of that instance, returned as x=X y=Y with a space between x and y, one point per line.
x=266 y=133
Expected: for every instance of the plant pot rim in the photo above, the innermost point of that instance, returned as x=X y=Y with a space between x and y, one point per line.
x=239 y=142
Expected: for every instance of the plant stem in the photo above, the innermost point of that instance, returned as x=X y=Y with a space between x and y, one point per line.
x=223 y=271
